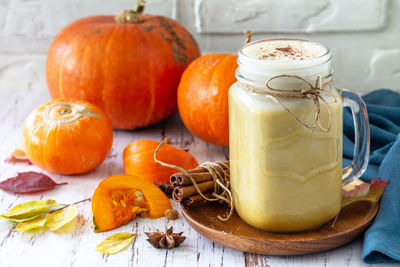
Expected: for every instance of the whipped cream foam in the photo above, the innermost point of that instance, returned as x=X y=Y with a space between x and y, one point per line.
x=284 y=50
x=262 y=59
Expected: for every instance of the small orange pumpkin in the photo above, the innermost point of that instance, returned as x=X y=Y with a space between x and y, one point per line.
x=139 y=160
x=67 y=136
x=119 y=198
x=203 y=97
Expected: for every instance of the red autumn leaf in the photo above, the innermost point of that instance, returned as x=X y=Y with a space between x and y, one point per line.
x=28 y=182
x=18 y=155
x=365 y=191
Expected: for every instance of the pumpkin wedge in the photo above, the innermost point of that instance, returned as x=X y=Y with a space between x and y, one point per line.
x=119 y=198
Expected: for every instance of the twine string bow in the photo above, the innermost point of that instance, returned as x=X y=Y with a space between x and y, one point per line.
x=220 y=174
x=312 y=92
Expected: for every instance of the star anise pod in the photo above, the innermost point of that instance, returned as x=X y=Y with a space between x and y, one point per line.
x=165 y=240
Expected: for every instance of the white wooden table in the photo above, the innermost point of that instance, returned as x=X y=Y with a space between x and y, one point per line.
x=76 y=248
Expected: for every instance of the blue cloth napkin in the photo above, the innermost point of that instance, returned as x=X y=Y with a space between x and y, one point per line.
x=382 y=239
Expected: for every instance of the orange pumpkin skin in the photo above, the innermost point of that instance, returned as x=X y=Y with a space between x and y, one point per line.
x=110 y=212
x=139 y=160
x=67 y=136
x=130 y=70
x=203 y=97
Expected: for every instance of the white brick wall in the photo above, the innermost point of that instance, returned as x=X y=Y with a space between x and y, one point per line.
x=301 y=16
x=364 y=35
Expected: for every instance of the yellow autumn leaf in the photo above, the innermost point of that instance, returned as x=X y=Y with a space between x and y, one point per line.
x=115 y=243
x=57 y=219
x=18 y=220
x=19 y=154
x=31 y=208
x=32 y=224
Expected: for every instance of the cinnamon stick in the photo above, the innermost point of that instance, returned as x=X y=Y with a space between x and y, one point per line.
x=182 y=179
x=180 y=192
x=202 y=169
x=199 y=174
x=196 y=198
x=175 y=197
x=172 y=179
x=167 y=188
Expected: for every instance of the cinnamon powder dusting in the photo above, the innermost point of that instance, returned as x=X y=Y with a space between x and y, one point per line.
x=285 y=50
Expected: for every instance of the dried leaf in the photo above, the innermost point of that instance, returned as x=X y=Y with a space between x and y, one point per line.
x=365 y=191
x=18 y=155
x=115 y=243
x=59 y=218
x=32 y=224
x=28 y=182
x=31 y=208
x=18 y=220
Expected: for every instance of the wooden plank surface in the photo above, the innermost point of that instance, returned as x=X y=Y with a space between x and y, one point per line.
x=76 y=247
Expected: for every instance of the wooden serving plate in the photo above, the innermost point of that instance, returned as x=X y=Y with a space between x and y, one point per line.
x=236 y=234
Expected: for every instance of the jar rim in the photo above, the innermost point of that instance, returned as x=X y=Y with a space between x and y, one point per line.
x=253 y=70
x=242 y=54
x=241 y=78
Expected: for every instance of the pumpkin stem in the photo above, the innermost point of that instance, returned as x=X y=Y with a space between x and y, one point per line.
x=131 y=16
x=139 y=7
x=66 y=112
x=247 y=34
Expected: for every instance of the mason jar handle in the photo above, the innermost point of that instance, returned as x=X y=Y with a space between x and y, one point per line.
x=361 y=136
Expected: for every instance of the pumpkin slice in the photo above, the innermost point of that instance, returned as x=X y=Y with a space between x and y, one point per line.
x=119 y=198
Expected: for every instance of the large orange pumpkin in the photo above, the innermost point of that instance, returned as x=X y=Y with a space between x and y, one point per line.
x=203 y=97
x=129 y=65
x=67 y=136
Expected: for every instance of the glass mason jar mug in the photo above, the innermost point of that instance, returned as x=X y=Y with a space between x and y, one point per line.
x=285 y=126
